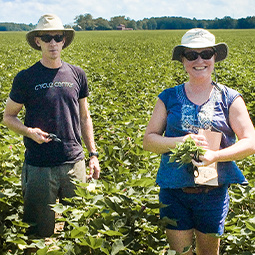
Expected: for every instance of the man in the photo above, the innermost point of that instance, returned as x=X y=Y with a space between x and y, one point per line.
x=54 y=94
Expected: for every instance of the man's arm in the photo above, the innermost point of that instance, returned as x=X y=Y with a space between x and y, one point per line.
x=11 y=120
x=88 y=137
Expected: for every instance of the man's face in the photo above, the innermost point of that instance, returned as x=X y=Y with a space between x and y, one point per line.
x=51 y=43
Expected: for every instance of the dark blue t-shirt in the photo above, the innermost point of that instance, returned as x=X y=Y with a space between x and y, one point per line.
x=51 y=98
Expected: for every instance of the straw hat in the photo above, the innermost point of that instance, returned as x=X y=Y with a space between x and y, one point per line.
x=198 y=38
x=49 y=22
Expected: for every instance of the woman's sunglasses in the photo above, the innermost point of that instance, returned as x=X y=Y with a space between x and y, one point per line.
x=47 y=38
x=193 y=55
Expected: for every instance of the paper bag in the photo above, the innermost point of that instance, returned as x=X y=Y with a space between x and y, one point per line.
x=208 y=175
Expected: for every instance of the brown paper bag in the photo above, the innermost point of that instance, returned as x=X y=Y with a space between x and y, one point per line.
x=208 y=175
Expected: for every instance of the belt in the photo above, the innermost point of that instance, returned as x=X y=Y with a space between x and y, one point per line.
x=199 y=189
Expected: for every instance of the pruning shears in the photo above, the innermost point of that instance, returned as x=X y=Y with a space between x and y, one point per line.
x=195 y=169
x=54 y=138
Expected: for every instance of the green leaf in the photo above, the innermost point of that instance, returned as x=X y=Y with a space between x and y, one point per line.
x=59 y=208
x=110 y=232
x=184 y=152
x=43 y=251
x=16 y=240
x=250 y=226
x=171 y=252
x=79 y=232
x=143 y=182
x=167 y=220
x=20 y=224
x=117 y=247
x=40 y=243
x=56 y=253
x=92 y=242
x=186 y=249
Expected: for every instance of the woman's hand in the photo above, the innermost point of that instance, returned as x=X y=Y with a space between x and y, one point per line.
x=207 y=159
x=200 y=140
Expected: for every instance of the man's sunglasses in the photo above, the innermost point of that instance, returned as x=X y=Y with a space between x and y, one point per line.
x=193 y=55
x=47 y=38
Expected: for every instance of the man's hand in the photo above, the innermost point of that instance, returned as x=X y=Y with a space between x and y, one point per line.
x=38 y=135
x=94 y=168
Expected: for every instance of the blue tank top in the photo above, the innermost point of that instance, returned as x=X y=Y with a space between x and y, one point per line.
x=184 y=117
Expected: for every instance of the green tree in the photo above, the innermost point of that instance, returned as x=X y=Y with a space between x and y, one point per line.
x=243 y=23
x=145 y=23
x=102 y=24
x=139 y=24
x=132 y=24
x=227 y=23
x=115 y=21
x=85 y=22
x=152 y=24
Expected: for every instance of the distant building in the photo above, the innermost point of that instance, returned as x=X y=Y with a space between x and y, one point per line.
x=123 y=27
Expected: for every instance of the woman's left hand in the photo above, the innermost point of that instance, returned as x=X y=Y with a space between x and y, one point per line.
x=207 y=159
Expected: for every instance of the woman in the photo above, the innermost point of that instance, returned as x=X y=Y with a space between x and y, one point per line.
x=181 y=112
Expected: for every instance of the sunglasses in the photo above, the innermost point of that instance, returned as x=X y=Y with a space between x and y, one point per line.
x=47 y=38
x=193 y=55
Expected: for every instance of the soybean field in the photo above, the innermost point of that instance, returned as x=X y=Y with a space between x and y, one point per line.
x=119 y=213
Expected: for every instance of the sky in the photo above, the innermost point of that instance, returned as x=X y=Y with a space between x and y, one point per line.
x=29 y=11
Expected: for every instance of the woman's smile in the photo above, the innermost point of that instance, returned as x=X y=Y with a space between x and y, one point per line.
x=199 y=68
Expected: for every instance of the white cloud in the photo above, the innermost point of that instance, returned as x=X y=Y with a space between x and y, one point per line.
x=29 y=11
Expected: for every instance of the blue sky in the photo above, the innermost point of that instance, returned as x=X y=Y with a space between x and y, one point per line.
x=29 y=11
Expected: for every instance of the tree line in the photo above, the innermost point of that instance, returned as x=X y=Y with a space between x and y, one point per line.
x=87 y=22
x=15 y=27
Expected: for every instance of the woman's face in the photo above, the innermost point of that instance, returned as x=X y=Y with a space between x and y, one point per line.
x=200 y=67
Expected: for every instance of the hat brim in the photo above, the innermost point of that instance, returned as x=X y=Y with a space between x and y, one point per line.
x=221 y=49
x=30 y=36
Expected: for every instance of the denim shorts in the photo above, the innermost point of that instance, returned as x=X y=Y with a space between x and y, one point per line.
x=205 y=212
x=41 y=187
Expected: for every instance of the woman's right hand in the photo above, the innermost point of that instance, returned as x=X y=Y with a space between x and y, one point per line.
x=200 y=140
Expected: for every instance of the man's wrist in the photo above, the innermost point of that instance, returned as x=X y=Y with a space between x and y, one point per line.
x=93 y=154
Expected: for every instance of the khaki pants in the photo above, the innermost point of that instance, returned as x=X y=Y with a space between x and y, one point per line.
x=41 y=187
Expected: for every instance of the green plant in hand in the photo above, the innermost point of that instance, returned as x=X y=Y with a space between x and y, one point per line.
x=184 y=152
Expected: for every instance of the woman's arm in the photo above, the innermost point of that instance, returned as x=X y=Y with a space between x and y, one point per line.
x=242 y=126
x=154 y=140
